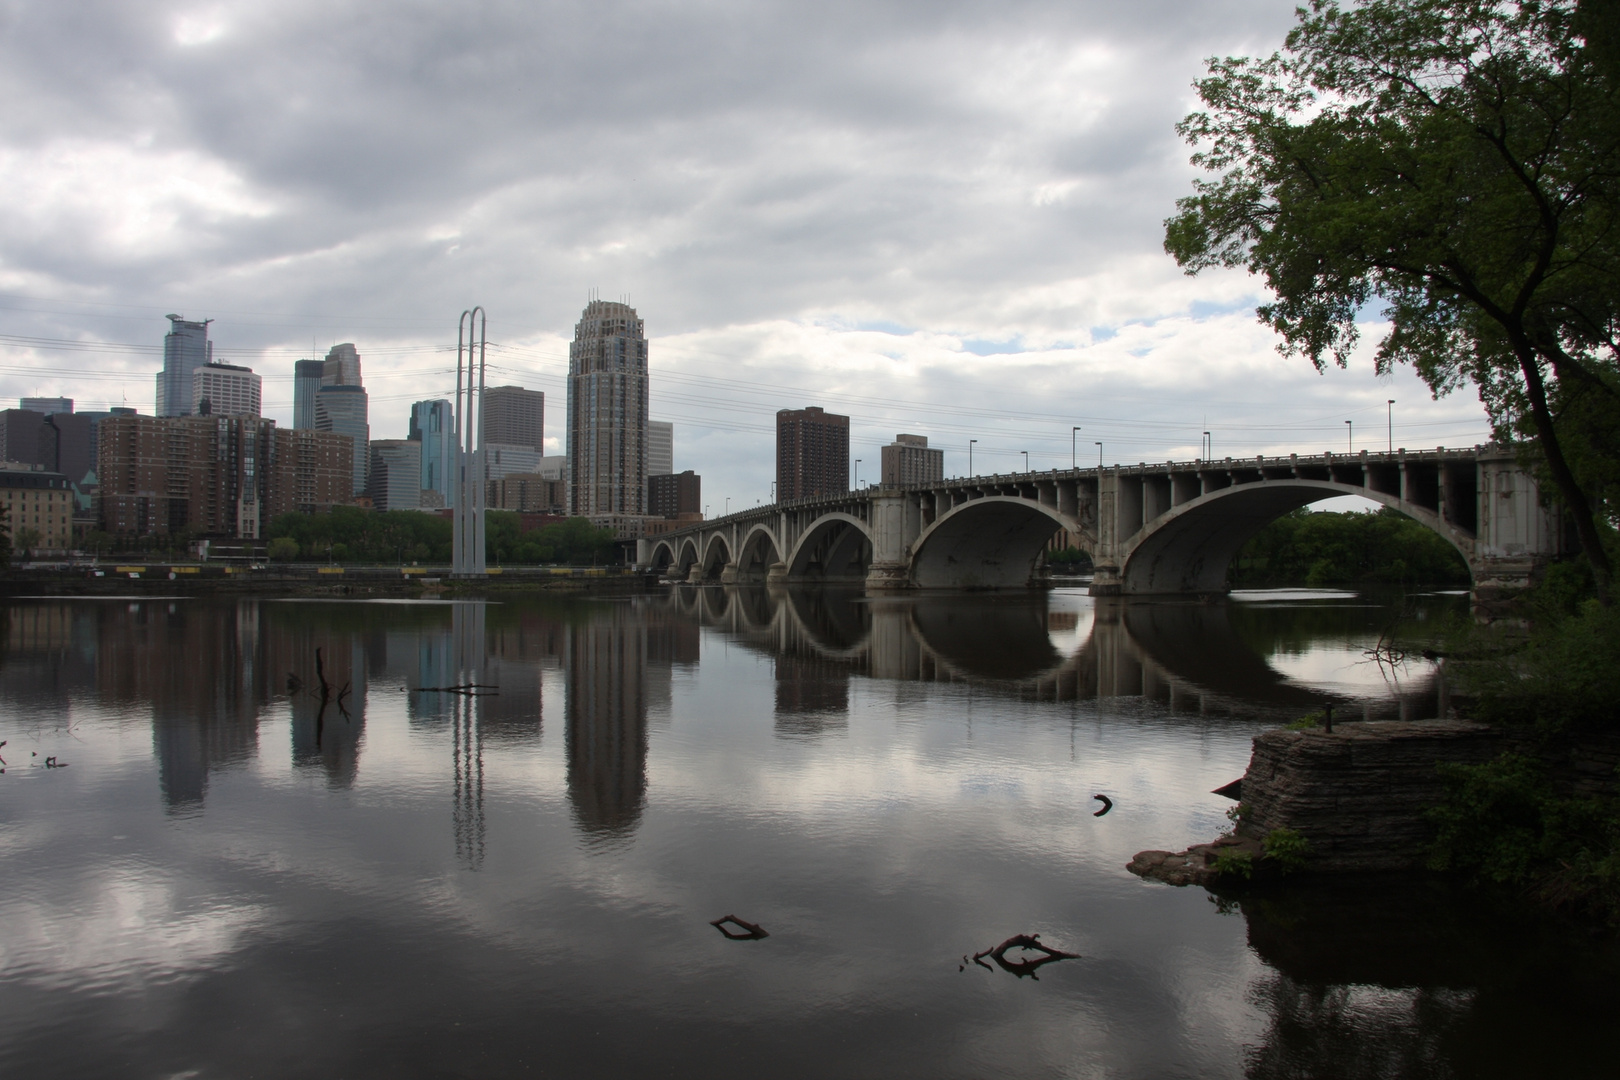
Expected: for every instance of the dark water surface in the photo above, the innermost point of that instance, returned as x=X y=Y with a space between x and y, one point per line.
x=229 y=880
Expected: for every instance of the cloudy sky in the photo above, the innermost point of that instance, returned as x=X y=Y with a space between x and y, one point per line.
x=939 y=217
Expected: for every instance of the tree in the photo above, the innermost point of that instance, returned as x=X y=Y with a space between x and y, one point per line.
x=283 y=549
x=1459 y=161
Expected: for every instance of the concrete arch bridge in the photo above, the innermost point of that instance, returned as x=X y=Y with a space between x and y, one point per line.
x=1169 y=528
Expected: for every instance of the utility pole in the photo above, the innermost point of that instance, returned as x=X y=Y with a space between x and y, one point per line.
x=467 y=528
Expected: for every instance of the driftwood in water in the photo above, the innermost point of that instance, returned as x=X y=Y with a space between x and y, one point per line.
x=1023 y=967
x=469 y=689
x=752 y=931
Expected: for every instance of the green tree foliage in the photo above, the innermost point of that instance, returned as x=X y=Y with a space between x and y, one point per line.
x=1303 y=548
x=1505 y=821
x=5 y=544
x=283 y=549
x=1459 y=161
x=353 y=534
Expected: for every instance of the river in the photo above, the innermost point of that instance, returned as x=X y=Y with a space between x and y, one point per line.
x=211 y=871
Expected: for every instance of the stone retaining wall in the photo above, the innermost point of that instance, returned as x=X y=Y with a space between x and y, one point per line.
x=1359 y=793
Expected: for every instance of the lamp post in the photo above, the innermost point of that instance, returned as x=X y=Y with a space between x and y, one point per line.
x=1074 y=454
x=1390 y=404
x=857 y=474
x=1099 y=455
x=773 y=492
x=1350 y=436
x=970 y=457
x=728 y=505
x=1209 y=447
x=1026 y=459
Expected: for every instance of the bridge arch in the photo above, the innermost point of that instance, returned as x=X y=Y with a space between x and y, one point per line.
x=716 y=554
x=838 y=547
x=687 y=558
x=756 y=555
x=988 y=543
x=1188 y=548
x=663 y=556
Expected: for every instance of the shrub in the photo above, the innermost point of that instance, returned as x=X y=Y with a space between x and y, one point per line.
x=1287 y=848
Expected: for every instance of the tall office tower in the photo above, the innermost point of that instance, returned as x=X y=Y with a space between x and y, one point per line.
x=308 y=375
x=504 y=459
x=607 y=412
x=225 y=390
x=514 y=416
x=47 y=405
x=343 y=410
x=908 y=461
x=342 y=366
x=433 y=425
x=660 y=448
x=185 y=348
x=812 y=453
x=395 y=480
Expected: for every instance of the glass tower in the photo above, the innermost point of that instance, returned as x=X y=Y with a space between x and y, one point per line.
x=185 y=348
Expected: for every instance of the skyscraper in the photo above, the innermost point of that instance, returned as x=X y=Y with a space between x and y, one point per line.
x=395 y=479
x=342 y=366
x=607 y=412
x=185 y=348
x=344 y=410
x=514 y=416
x=308 y=375
x=660 y=448
x=433 y=425
x=812 y=453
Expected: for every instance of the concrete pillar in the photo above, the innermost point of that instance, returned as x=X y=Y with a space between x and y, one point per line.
x=1105 y=561
x=891 y=565
x=728 y=573
x=777 y=574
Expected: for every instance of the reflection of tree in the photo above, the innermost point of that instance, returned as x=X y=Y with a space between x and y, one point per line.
x=1404 y=977
x=606 y=729
x=1353 y=1032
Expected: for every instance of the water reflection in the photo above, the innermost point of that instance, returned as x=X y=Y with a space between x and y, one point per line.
x=810 y=759
x=1189 y=656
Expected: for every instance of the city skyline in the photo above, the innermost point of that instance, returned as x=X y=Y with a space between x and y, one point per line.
x=954 y=230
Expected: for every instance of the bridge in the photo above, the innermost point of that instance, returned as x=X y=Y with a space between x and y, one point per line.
x=1168 y=528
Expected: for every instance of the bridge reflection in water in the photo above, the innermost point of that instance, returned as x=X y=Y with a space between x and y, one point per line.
x=1194 y=657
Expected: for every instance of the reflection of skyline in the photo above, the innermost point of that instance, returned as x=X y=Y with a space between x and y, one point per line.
x=606 y=722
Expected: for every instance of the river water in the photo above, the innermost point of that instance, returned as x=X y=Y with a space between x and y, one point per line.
x=229 y=878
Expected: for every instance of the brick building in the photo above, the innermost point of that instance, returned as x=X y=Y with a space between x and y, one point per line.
x=215 y=476
x=527 y=492
x=673 y=494
x=812 y=453
x=37 y=506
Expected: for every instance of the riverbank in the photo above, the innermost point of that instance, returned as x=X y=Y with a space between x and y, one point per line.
x=144 y=579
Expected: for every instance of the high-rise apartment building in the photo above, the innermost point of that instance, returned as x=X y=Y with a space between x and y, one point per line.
x=308 y=377
x=812 y=453
x=26 y=438
x=342 y=366
x=433 y=425
x=673 y=494
x=47 y=405
x=607 y=412
x=221 y=476
x=505 y=459
x=395 y=478
x=908 y=461
x=225 y=390
x=660 y=448
x=343 y=409
x=514 y=416
x=185 y=348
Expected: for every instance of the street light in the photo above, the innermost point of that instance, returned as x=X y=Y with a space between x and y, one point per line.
x=1350 y=436
x=1026 y=459
x=1391 y=406
x=857 y=474
x=970 y=457
x=773 y=492
x=728 y=505
x=1099 y=455
x=1074 y=455
x=1209 y=447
